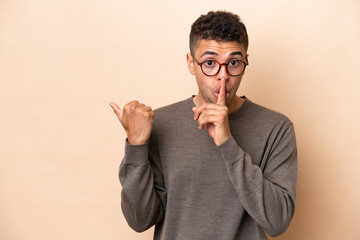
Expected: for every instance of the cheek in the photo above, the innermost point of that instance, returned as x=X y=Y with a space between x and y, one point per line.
x=202 y=82
x=236 y=84
x=206 y=84
x=203 y=88
x=208 y=87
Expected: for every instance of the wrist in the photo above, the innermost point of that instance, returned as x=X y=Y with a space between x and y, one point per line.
x=136 y=142
x=222 y=140
x=133 y=141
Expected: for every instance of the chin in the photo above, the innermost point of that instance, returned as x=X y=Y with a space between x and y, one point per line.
x=229 y=100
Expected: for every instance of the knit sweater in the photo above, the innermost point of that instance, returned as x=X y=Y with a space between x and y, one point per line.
x=189 y=188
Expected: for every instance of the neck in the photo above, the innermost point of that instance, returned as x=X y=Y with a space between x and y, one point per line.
x=234 y=105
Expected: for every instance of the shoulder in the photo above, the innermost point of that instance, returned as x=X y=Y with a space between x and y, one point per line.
x=264 y=116
x=172 y=120
x=174 y=112
x=174 y=107
x=260 y=124
x=178 y=108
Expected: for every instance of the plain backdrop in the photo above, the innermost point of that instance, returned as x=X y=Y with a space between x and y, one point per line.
x=62 y=62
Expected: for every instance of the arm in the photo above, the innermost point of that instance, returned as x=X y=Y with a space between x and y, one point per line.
x=143 y=195
x=269 y=196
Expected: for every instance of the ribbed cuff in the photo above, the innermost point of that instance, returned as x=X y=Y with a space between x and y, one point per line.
x=136 y=154
x=230 y=151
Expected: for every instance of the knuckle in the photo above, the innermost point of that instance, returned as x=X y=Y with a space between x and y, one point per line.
x=203 y=120
x=132 y=107
x=146 y=114
x=139 y=110
x=150 y=117
x=131 y=104
x=127 y=108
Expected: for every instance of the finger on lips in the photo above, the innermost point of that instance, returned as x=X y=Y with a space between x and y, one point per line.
x=210 y=108
x=222 y=94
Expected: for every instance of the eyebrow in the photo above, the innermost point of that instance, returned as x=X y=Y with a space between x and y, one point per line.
x=214 y=53
x=209 y=53
x=236 y=53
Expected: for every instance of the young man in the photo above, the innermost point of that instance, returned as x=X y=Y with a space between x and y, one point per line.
x=216 y=165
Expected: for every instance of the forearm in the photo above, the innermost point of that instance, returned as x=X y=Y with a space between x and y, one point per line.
x=268 y=199
x=141 y=205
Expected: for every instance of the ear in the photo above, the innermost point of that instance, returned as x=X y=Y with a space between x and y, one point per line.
x=190 y=63
x=247 y=61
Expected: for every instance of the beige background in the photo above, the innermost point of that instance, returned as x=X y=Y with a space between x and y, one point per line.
x=61 y=62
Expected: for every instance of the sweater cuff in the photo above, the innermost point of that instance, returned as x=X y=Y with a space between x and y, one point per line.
x=136 y=154
x=230 y=152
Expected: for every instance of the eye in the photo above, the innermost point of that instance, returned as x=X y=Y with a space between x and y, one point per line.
x=209 y=63
x=234 y=63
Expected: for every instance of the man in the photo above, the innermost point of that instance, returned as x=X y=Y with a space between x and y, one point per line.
x=216 y=165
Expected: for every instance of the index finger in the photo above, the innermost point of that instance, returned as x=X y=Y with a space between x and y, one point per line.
x=222 y=96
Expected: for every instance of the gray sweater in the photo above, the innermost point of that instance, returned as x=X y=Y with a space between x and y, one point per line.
x=191 y=189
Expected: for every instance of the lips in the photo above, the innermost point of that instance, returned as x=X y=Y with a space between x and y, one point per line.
x=227 y=91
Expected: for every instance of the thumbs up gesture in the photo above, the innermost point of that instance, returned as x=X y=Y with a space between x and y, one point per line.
x=136 y=119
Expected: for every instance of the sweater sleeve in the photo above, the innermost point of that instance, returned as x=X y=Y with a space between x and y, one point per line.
x=143 y=196
x=268 y=196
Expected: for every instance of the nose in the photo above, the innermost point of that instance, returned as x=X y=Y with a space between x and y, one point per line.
x=223 y=74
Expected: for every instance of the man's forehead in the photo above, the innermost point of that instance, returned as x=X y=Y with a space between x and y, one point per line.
x=234 y=53
x=213 y=47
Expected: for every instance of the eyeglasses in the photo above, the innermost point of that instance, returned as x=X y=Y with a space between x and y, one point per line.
x=211 y=67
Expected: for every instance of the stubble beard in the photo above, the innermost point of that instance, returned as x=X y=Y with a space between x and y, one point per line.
x=208 y=99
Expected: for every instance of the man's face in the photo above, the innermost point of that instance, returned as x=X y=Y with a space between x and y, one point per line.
x=222 y=52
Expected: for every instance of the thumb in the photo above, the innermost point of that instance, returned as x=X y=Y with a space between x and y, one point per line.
x=222 y=95
x=116 y=109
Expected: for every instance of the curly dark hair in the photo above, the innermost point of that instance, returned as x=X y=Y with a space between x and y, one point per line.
x=219 y=26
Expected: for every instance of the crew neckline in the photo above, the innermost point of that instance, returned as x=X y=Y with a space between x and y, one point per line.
x=191 y=102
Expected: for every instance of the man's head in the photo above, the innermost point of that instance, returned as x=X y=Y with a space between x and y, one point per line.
x=220 y=26
x=218 y=46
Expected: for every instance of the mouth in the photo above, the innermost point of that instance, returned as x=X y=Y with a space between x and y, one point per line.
x=227 y=92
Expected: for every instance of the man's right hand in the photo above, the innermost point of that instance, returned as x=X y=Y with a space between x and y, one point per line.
x=137 y=120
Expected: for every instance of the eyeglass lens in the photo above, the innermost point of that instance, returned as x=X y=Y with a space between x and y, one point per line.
x=211 y=68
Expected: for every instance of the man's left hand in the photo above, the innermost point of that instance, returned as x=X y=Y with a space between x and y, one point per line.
x=215 y=117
